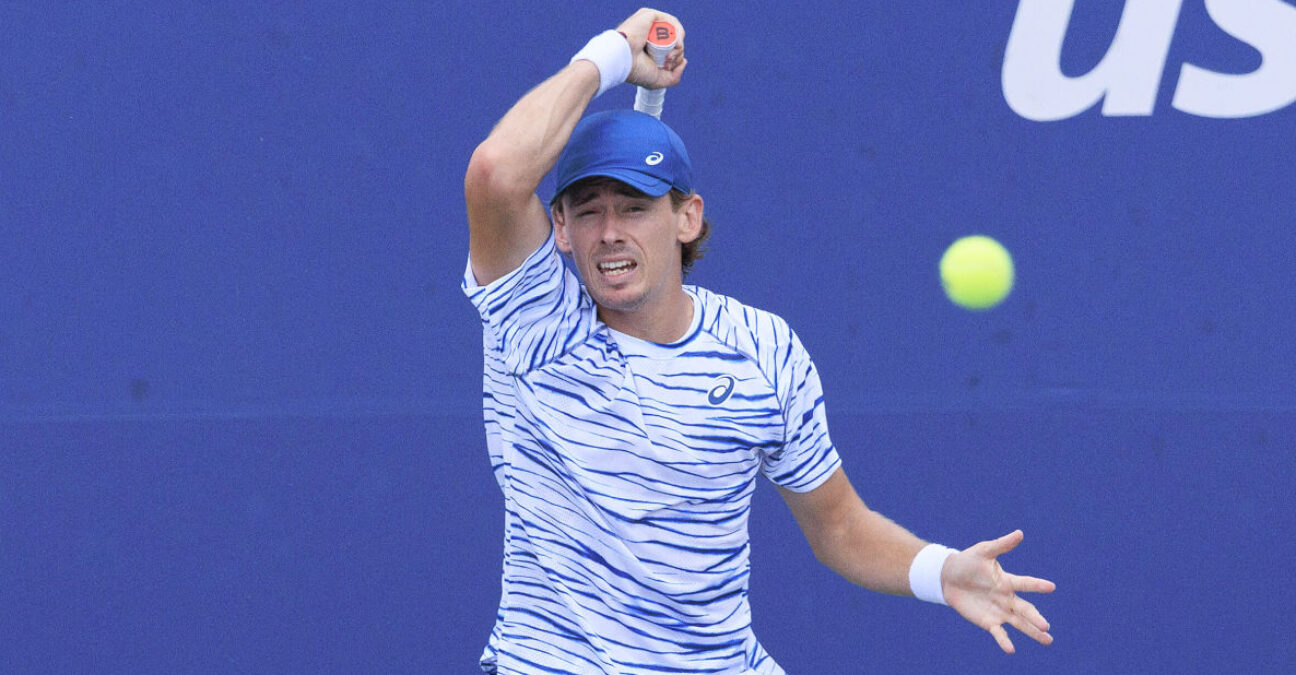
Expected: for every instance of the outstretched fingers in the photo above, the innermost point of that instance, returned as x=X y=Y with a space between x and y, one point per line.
x=997 y=547
x=977 y=586
x=1027 y=619
x=1031 y=614
x=1023 y=616
x=1022 y=584
x=989 y=595
x=1001 y=636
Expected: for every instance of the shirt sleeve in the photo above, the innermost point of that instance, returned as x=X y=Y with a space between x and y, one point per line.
x=807 y=456
x=535 y=313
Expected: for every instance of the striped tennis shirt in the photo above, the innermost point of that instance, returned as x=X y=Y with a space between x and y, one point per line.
x=627 y=469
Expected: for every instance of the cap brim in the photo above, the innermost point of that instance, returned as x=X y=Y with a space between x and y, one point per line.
x=649 y=185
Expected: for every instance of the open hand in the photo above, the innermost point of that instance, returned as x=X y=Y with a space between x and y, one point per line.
x=979 y=589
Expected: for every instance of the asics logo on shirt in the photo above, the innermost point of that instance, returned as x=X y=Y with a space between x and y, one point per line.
x=720 y=391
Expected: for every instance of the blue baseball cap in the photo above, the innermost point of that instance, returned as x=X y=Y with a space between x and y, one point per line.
x=632 y=147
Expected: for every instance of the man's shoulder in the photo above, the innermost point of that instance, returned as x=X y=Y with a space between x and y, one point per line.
x=759 y=334
x=727 y=311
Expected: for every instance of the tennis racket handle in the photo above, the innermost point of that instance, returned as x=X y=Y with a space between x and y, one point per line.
x=661 y=40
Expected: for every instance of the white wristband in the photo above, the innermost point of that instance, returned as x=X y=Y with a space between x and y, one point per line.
x=925 y=573
x=609 y=51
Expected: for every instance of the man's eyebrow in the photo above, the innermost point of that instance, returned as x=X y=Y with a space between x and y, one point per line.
x=583 y=196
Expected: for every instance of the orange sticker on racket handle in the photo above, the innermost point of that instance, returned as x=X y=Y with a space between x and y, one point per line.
x=662 y=34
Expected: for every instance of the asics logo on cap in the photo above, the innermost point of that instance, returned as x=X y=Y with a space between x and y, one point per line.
x=654 y=159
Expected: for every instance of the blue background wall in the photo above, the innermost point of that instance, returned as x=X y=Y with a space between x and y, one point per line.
x=239 y=386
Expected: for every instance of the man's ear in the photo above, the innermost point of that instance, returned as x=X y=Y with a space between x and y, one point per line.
x=560 y=229
x=690 y=219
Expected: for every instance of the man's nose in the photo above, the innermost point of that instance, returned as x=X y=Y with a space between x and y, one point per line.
x=611 y=231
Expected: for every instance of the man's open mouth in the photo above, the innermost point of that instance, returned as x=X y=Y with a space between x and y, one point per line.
x=616 y=268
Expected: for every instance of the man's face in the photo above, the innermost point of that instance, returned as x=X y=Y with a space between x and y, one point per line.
x=626 y=244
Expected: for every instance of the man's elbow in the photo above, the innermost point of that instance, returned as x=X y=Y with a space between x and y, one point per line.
x=492 y=176
x=826 y=548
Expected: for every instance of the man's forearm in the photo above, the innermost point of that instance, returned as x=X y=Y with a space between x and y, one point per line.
x=865 y=547
x=872 y=551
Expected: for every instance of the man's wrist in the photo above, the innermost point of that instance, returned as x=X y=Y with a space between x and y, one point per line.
x=609 y=51
x=925 y=573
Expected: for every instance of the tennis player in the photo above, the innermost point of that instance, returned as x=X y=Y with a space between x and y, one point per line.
x=628 y=415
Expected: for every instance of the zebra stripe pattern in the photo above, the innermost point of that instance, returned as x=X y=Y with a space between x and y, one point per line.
x=627 y=469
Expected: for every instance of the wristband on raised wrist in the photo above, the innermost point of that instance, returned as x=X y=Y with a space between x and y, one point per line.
x=609 y=51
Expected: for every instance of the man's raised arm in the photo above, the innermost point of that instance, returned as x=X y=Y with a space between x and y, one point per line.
x=507 y=221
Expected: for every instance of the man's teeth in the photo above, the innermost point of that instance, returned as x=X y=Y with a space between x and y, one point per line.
x=618 y=267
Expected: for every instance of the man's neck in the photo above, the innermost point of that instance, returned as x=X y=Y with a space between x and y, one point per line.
x=664 y=322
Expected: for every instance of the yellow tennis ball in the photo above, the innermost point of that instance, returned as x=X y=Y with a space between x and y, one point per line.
x=977 y=272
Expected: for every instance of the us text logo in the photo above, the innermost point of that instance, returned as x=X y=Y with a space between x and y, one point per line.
x=1127 y=78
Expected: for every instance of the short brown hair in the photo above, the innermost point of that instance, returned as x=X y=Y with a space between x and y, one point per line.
x=692 y=251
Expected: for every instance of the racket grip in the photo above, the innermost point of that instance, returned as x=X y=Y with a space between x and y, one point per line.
x=650 y=101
